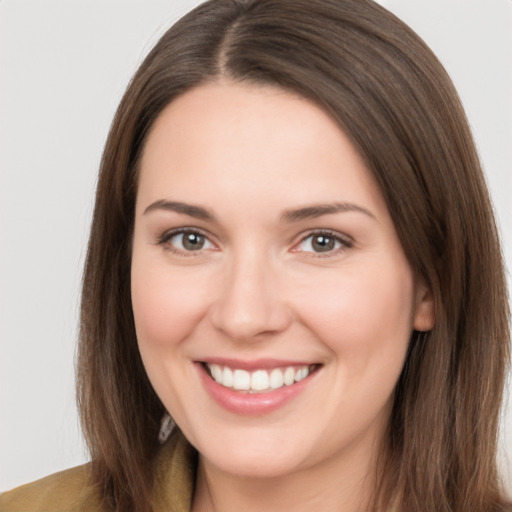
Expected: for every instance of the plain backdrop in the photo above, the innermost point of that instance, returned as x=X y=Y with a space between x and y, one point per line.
x=63 y=68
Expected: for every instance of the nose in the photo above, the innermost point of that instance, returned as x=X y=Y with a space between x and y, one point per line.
x=250 y=303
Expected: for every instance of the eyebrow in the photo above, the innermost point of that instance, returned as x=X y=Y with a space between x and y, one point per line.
x=178 y=207
x=317 y=210
x=289 y=215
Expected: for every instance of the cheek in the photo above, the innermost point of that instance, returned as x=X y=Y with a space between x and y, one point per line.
x=363 y=316
x=166 y=306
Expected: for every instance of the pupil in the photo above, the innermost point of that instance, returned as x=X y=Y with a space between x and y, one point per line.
x=323 y=243
x=193 y=241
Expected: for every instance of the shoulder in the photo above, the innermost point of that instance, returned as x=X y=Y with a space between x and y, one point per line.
x=72 y=491
x=66 y=491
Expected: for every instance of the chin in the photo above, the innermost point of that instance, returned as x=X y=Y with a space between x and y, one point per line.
x=263 y=458
x=257 y=466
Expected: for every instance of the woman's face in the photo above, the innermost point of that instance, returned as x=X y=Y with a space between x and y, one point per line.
x=273 y=302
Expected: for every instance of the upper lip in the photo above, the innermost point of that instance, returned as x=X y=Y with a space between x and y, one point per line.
x=256 y=364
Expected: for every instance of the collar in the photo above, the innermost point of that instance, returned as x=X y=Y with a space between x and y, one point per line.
x=175 y=472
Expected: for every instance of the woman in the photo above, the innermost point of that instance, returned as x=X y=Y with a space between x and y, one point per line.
x=293 y=254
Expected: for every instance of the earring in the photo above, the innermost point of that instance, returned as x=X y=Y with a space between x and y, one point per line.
x=166 y=427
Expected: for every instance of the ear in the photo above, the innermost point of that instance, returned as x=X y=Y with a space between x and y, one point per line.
x=424 y=311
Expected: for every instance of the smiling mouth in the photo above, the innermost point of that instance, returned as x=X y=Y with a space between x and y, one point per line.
x=260 y=380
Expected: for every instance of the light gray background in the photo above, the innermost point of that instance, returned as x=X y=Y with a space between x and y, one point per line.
x=63 y=67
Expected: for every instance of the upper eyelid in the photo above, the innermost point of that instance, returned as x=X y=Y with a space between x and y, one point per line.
x=168 y=234
x=186 y=229
x=328 y=232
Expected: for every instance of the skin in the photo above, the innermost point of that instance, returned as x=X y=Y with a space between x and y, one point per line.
x=258 y=289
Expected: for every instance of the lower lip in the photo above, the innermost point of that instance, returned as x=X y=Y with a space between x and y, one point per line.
x=251 y=404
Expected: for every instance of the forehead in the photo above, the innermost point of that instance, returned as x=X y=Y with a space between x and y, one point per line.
x=221 y=140
x=215 y=115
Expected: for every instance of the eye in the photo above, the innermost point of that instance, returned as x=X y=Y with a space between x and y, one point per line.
x=186 y=241
x=323 y=242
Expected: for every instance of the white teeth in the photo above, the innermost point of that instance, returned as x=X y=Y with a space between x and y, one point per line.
x=216 y=372
x=241 y=380
x=289 y=376
x=301 y=374
x=227 y=377
x=276 y=379
x=259 y=380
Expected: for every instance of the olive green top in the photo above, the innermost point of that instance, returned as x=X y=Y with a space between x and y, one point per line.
x=70 y=490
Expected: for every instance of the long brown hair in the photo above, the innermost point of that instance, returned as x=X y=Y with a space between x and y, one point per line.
x=389 y=93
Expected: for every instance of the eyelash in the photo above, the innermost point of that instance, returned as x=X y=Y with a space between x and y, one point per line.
x=344 y=241
x=165 y=238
